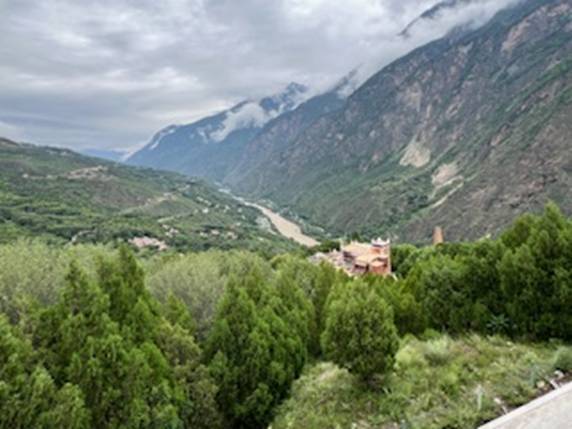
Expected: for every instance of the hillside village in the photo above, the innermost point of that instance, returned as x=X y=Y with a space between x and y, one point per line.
x=357 y=258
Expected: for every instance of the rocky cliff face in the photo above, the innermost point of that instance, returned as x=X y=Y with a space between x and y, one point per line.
x=466 y=132
x=266 y=149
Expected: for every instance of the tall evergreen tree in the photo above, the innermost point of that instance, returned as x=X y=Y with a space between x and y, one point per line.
x=133 y=367
x=254 y=351
x=360 y=334
x=29 y=397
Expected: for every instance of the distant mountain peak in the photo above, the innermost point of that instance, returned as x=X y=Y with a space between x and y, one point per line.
x=255 y=114
x=289 y=98
x=157 y=138
x=236 y=125
x=295 y=87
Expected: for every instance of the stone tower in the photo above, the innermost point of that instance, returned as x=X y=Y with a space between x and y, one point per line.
x=438 y=236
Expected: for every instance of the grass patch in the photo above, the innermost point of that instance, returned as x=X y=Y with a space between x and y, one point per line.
x=437 y=383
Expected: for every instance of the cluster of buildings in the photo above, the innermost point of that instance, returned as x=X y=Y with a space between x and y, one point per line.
x=374 y=258
x=361 y=258
x=142 y=242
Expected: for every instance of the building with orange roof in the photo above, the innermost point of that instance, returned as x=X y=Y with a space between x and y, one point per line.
x=362 y=258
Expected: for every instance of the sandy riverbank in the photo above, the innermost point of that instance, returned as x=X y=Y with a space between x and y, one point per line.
x=285 y=227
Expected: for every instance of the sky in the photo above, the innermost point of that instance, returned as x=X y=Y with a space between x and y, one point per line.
x=108 y=74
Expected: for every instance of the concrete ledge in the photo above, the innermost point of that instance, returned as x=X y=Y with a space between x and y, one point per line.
x=551 y=411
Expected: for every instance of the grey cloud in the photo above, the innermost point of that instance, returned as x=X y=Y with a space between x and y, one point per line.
x=108 y=74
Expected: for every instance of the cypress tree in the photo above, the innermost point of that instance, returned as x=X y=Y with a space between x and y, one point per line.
x=360 y=334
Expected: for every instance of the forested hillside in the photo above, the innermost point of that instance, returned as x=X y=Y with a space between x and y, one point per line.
x=69 y=198
x=94 y=337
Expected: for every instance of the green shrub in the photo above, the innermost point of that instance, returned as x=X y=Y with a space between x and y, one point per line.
x=430 y=334
x=563 y=359
x=482 y=374
x=360 y=334
x=409 y=356
x=438 y=352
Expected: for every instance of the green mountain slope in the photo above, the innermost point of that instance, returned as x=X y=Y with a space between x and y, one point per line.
x=466 y=132
x=67 y=197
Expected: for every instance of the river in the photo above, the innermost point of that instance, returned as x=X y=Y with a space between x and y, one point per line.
x=284 y=226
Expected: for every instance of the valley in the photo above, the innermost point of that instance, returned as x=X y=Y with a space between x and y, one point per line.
x=473 y=103
x=287 y=228
x=198 y=241
x=65 y=197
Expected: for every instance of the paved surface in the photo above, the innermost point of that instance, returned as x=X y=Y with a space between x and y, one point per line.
x=551 y=411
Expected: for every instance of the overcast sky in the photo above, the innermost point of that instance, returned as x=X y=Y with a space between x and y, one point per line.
x=108 y=74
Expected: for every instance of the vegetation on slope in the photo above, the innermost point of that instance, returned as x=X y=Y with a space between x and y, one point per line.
x=99 y=342
x=437 y=383
x=66 y=197
x=217 y=339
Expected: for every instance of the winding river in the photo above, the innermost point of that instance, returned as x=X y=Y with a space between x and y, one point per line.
x=285 y=227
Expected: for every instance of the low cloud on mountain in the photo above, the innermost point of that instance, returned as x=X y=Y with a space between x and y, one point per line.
x=108 y=74
x=249 y=115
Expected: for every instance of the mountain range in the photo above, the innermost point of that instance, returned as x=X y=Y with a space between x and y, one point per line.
x=465 y=132
x=208 y=147
x=111 y=155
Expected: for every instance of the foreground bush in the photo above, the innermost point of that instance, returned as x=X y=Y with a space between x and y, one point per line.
x=31 y=270
x=360 y=334
x=518 y=285
x=255 y=349
x=563 y=359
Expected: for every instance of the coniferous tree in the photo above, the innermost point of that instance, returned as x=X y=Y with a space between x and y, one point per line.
x=535 y=272
x=399 y=255
x=360 y=334
x=408 y=313
x=132 y=366
x=437 y=284
x=225 y=349
x=29 y=397
x=254 y=352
